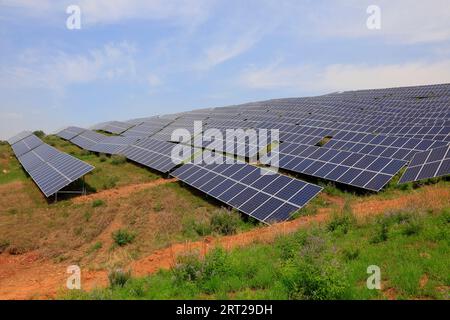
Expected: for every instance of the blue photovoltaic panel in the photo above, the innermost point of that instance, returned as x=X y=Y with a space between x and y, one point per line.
x=25 y=145
x=116 y=127
x=19 y=137
x=87 y=139
x=113 y=144
x=381 y=145
x=360 y=170
x=70 y=132
x=51 y=169
x=266 y=197
x=153 y=153
x=428 y=164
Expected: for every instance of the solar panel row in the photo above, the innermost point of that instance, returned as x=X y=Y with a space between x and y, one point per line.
x=428 y=164
x=49 y=168
x=154 y=154
x=356 y=169
x=266 y=197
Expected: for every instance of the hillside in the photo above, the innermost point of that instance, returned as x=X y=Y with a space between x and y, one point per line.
x=159 y=219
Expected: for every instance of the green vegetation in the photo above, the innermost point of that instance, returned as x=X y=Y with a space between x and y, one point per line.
x=222 y=222
x=117 y=160
x=123 y=237
x=118 y=278
x=97 y=203
x=39 y=133
x=315 y=263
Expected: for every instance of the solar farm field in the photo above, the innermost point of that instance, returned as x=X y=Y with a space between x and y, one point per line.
x=343 y=182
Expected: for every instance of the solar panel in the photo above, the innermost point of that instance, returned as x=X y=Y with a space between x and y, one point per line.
x=266 y=197
x=428 y=164
x=116 y=127
x=50 y=168
x=87 y=139
x=381 y=145
x=58 y=173
x=25 y=145
x=37 y=156
x=152 y=153
x=145 y=129
x=113 y=144
x=360 y=170
x=70 y=132
x=19 y=137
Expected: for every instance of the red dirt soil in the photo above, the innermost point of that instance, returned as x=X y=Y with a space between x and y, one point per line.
x=122 y=191
x=29 y=277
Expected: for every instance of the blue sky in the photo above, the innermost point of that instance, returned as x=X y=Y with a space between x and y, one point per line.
x=142 y=58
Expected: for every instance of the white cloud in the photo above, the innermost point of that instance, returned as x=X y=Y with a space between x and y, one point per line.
x=229 y=49
x=404 y=21
x=186 y=12
x=346 y=76
x=38 y=70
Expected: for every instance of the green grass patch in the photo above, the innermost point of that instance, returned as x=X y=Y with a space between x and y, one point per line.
x=310 y=264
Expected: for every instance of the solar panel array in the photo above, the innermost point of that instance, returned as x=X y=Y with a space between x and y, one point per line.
x=154 y=154
x=266 y=197
x=49 y=168
x=428 y=164
x=112 y=144
x=359 y=138
x=116 y=127
x=356 y=169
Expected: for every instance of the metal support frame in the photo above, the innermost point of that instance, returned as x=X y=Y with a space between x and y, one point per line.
x=82 y=191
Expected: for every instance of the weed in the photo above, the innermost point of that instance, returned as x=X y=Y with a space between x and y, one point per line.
x=381 y=234
x=111 y=182
x=187 y=268
x=412 y=227
x=96 y=246
x=123 y=237
x=87 y=215
x=118 y=159
x=98 y=203
x=350 y=253
x=118 y=278
x=103 y=157
x=342 y=221
x=225 y=222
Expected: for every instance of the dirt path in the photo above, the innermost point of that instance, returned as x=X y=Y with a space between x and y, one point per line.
x=122 y=191
x=28 y=277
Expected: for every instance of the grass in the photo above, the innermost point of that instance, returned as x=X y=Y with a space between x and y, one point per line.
x=315 y=263
x=123 y=237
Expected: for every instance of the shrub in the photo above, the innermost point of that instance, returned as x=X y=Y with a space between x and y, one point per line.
x=350 y=253
x=311 y=280
x=39 y=133
x=412 y=227
x=103 y=157
x=225 y=222
x=342 y=221
x=381 y=234
x=110 y=182
x=97 y=203
x=187 y=268
x=123 y=237
x=117 y=160
x=118 y=278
